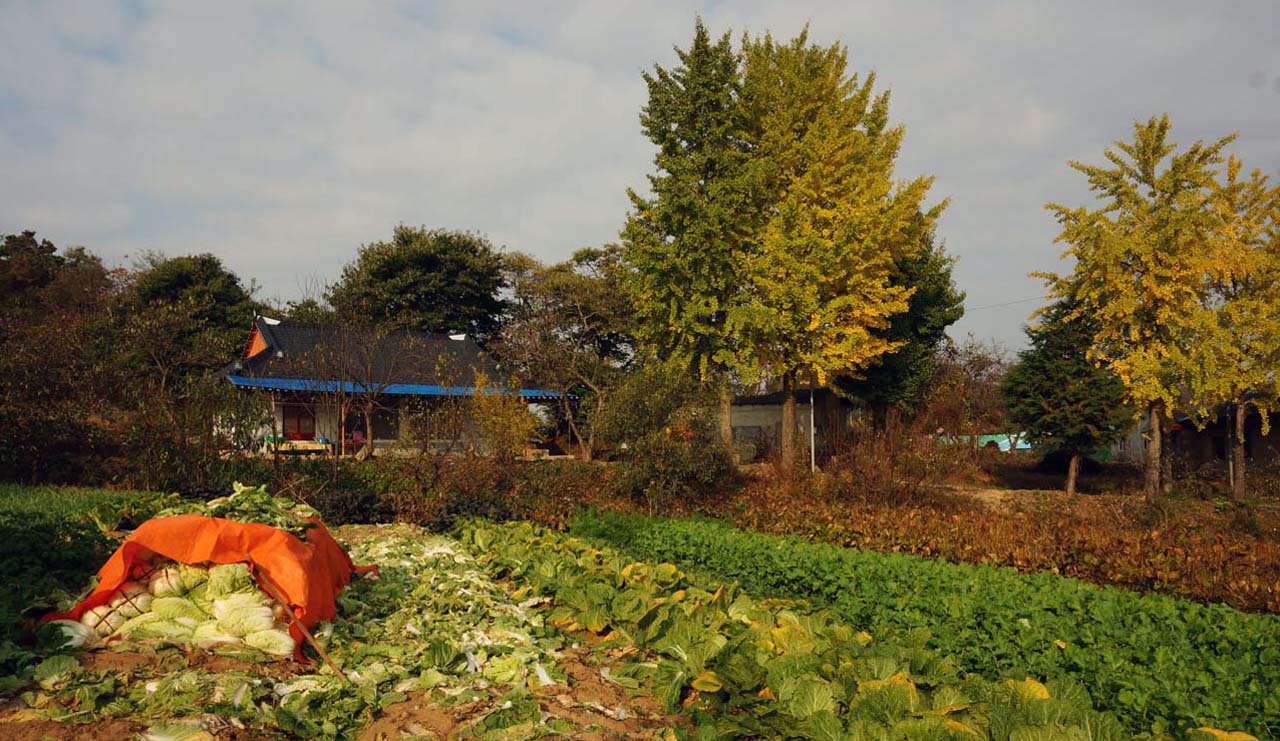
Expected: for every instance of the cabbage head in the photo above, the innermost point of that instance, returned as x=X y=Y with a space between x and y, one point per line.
x=166 y=582
x=275 y=642
x=230 y=578
x=192 y=576
x=171 y=608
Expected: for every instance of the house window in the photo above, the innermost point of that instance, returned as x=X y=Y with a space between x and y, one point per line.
x=299 y=422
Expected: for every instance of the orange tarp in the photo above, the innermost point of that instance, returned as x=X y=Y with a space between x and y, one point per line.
x=309 y=573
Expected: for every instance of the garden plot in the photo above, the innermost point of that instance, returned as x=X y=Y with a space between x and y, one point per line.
x=433 y=647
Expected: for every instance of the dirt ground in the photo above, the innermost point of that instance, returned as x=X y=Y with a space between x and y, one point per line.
x=598 y=708
x=15 y=727
x=173 y=660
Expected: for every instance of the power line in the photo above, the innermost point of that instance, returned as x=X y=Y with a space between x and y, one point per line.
x=1007 y=303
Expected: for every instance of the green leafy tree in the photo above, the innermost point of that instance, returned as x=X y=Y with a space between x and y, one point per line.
x=215 y=295
x=1061 y=398
x=434 y=280
x=899 y=380
x=178 y=320
x=310 y=311
x=1141 y=267
x=27 y=264
x=570 y=331
x=821 y=283
x=685 y=243
x=55 y=348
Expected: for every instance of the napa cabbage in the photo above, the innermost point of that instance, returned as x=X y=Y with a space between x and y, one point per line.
x=71 y=634
x=166 y=582
x=192 y=576
x=274 y=642
x=230 y=578
x=171 y=608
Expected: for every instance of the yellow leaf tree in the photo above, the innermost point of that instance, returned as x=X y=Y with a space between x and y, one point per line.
x=836 y=222
x=1141 y=262
x=1235 y=347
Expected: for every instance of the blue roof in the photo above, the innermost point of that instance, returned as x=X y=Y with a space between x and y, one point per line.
x=406 y=389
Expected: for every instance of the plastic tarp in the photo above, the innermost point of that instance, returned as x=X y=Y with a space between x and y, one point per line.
x=308 y=573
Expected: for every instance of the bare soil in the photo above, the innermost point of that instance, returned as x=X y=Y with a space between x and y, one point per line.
x=172 y=659
x=15 y=727
x=600 y=710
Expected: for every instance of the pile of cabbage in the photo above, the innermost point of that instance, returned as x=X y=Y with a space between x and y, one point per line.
x=171 y=602
x=252 y=504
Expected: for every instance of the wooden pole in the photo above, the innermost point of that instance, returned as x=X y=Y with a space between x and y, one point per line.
x=275 y=594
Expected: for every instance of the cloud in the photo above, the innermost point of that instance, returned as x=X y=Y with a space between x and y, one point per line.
x=283 y=136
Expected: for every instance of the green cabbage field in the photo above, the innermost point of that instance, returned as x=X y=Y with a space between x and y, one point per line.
x=1160 y=664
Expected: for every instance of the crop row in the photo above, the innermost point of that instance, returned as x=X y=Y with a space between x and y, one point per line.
x=1180 y=558
x=744 y=667
x=1160 y=664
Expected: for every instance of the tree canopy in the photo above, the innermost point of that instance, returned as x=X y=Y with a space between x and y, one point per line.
x=900 y=377
x=685 y=243
x=1058 y=396
x=569 y=330
x=1141 y=265
x=1239 y=318
x=434 y=280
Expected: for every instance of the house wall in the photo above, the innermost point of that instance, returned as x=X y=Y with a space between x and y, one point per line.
x=757 y=428
x=1132 y=448
x=329 y=424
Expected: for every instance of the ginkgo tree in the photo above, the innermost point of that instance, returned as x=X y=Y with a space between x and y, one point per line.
x=817 y=281
x=1234 y=350
x=684 y=241
x=1141 y=262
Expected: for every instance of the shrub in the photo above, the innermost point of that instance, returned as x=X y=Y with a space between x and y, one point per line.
x=351 y=506
x=680 y=464
x=504 y=425
x=660 y=421
x=896 y=465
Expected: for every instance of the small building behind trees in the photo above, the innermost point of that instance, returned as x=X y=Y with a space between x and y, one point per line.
x=355 y=390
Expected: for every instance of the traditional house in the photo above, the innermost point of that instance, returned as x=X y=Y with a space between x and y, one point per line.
x=338 y=390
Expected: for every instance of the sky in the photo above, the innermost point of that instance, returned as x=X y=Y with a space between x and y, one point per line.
x=281 y=136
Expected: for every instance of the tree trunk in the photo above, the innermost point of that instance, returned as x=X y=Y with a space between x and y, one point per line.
x=367 y=451
x=726 y=419
x=880 y=418
x=1237 y=454
x=275 y=441
x=1073 y=471
x=584 y=447
x=1155 y=414
x=1166 y=460
x=788 y=442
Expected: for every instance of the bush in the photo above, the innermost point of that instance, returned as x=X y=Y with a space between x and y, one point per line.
x=351 y=506
x=659 y=420
x=678 y=464
x=896 y=465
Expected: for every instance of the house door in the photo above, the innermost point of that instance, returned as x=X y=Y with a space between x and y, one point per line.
x=299 y=422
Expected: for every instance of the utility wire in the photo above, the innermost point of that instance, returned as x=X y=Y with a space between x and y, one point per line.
x=1007 y=303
